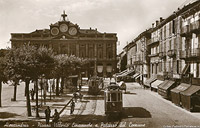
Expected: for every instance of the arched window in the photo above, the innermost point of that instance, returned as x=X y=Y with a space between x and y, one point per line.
x=110 y=55
x=91 y=53
x=100 y=54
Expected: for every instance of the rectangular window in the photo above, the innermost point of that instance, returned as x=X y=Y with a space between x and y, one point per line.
x=197 y=69
x=177 y=68
x=108 y=97
x=170 y=44
x=119 y=96
x=173 y=26
x=113 y=97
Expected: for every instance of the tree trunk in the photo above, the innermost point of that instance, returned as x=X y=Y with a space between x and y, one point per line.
x=25 y=91
x=28 y=104
x=57 y=87
x=0 y=93
x=36 y=91
x=62 y=84
x=15 y=91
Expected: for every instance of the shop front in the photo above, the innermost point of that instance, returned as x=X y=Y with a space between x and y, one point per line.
x=175 y=93
x=155 y=84
x=148 y=82
x=190 y=98
x=165 y=87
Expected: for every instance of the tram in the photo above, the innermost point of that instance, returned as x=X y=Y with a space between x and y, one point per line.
x=95 y=85
x=113 y=100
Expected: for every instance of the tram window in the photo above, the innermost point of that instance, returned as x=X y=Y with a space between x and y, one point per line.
x=119 y=97
x=113 y=97
x=108 y=97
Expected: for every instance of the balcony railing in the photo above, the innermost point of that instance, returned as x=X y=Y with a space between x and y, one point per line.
x=153 y=40
x=190 y=54
x=138 y=62
x=194 y=53
x=171 y=53
x=195 y=26
x=152 y=55
x=185 y=30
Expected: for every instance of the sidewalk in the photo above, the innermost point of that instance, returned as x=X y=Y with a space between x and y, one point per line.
x=17 y=110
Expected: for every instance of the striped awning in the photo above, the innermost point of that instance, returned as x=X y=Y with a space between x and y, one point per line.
x=156 y=83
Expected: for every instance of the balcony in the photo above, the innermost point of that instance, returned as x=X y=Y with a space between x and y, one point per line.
x=162 y=55
x=194 y=53
x=195 y=26
x=153 y=40
x=185 y=31
x=153 y=55
x=171 y=53
x=138 y=62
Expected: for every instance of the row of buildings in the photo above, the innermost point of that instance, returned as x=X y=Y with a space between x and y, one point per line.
x=67 y=38
x=167 y=54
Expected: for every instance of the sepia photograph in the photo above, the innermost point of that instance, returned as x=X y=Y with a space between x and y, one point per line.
x=99 y=63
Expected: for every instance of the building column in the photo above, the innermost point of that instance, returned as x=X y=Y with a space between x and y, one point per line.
x=104 y=69
x=77 y=50
x=104 y=50
x=86 y=53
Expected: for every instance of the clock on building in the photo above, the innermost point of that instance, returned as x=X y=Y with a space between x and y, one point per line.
x=54 y=31
x=63 y=27
x=73 y=31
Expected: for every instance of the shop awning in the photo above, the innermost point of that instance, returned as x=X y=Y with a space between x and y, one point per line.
x=191 y=90
x=138 y=76
x=156 y=83
x=129 y=72
x=186 y=68
x=180 y=88
x=121 y=73
x=150 y=80
x=167 y=85
x=163 y=84
x=135 y=75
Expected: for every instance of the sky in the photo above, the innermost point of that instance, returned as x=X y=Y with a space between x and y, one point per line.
x=127 y=18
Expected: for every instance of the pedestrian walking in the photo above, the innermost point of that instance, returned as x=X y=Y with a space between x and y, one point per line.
x=80 y=87
x=72 y=107
x=55 y=116
x=32 y=93
x=75 y=96
x=47 y=114
x=80 y=96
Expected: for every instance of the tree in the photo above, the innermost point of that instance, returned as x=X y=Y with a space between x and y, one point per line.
x=2 y=75
x=63 y=65
x=66 y=66
x=28 y=63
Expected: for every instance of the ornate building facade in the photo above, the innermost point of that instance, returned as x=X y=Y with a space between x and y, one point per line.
x=65 y=37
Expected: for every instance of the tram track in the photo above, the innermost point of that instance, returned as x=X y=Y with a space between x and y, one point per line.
x=81 y=111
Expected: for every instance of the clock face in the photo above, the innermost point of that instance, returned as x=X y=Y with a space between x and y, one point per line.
x=63 y=28
x=72 y=31
x=54 y=31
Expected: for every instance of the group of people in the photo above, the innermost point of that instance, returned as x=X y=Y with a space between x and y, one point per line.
x=76 y=95
x=48 y=115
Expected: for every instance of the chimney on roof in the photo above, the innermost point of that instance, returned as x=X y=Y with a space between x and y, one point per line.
x=161 y=19
x=152 y=25
x=157 y=22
